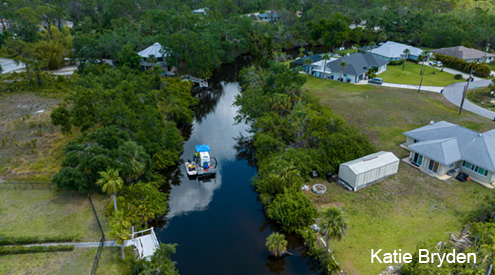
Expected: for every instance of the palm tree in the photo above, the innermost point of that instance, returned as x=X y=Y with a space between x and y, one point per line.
x=356 y=46
x=276 y=244
x=423 y=57
x=152 y=59
x=110 y=183
x=120 y=230
x=406 y=52
x=371 y=45
x=301 y=52
x=342 y=64
x=324 y=57
x=306 y=62
x=333 y=224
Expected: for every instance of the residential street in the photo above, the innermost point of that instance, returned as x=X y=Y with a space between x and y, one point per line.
x=9 y=65
x=454 y=94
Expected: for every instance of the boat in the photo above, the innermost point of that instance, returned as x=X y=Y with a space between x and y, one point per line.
x=191 y=169
x=204 y=162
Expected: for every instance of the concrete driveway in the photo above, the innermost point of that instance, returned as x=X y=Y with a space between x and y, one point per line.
x=453 y=93
x=9 y=65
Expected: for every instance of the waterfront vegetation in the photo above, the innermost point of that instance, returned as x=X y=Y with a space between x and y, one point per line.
x=411 y=75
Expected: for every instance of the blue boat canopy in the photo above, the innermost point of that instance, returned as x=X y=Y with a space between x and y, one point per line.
x=203 y=148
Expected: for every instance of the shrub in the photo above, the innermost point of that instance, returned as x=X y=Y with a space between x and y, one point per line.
x=458 y=76
x=481 y=70
x=5 y=250
x=396 y=62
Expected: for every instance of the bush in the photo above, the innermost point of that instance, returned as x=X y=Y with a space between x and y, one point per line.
x=481 y=70
x=458 y=76
x=31 y=240
x=5 y=250
x=396 y=62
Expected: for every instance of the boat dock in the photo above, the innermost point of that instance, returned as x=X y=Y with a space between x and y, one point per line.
x=145 y=242
x=200 y=81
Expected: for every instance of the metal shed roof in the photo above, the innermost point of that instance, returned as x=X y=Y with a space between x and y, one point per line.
x=203 y=148
x=370 y=162
x=155 y=49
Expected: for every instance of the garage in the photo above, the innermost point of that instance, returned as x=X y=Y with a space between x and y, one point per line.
x=359 y=173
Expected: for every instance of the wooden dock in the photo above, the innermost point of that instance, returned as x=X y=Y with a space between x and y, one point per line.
x=200 y=81
x=145 y=242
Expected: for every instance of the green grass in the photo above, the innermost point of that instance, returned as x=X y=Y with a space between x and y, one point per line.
x=49 y=213
x=79 y=261
x=410 y=75
x=482 y=97
x=410 y=207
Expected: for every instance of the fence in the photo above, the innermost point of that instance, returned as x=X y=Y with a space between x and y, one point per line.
x=19 y=185
x=102 y=241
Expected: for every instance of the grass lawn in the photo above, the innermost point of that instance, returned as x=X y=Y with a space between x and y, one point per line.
x=410 y=75
x=49 y=213
x=482 y=97
x=79 y=261
x=407 y=208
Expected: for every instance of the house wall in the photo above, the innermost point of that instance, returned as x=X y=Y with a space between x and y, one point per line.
x=477 y=176
x=442 y=169
x=376 y=174
x=409 y=141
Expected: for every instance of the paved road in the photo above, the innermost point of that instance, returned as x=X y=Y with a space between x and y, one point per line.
x=454 y=94
x=9 y=65
x=435 y=89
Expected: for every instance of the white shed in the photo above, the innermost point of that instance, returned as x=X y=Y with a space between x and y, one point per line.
x=359 y=173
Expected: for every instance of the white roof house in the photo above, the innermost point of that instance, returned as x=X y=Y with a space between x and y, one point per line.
x=359 y=173
x=394 y=51
x=318 y=65
x=155 y=49
x=200 y=11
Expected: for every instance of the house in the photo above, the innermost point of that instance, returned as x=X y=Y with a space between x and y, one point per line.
x=157 y=51
x=298 y=13
x=392 y=51
x=202 y=11
x=441 y=147
x=467 y=54
x=358 y=65
x=300 y=62
x=316 y=68
x=269 y=16
x=359 y=173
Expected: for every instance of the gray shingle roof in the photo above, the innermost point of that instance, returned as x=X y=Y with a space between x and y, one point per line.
x=474 y=147
x=357 y=63
x=300 y=61
x=446 y=151
x=462 y=52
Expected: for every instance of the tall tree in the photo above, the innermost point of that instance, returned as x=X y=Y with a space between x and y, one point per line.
x=406 y=54
x=276 y=243
x=21 y=52
x=306 y=62
x=120 y=229
x=371 y=45
x=326 y=58
x=342 y=64
x=333 y=224
x=128 y=57
x=111 y=183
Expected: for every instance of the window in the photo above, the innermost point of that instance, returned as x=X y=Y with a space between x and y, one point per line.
x=475 y=168
x=417 y=159
x=433 y=166
x=452 y=165
x=416 y=141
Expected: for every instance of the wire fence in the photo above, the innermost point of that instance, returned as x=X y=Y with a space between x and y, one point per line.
x=19 y=185
x=102 y=241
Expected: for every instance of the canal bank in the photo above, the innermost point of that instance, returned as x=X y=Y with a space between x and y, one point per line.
x=220 y=224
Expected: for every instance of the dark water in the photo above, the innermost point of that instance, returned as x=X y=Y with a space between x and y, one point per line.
x=219 y=224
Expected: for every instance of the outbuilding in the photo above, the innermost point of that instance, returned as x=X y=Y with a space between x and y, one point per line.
x=359 y=173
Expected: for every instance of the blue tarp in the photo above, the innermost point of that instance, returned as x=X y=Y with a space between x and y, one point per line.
x=203 y=148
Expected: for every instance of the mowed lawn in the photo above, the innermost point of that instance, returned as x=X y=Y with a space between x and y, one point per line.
x=50 y=213
x=407 y=208
x=410 y=75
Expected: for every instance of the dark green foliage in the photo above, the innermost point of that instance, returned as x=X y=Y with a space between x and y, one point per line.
x=158 y=263
x=480 y=69
x=458 y=76
x=6 y=250
x=60 y=116
x=105 y=148
x=396 y=62
x=31 y=240
x=128 y=57
x=292 y=210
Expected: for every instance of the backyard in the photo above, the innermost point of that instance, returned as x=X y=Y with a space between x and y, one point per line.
x=392 y=214
x=410 y=75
